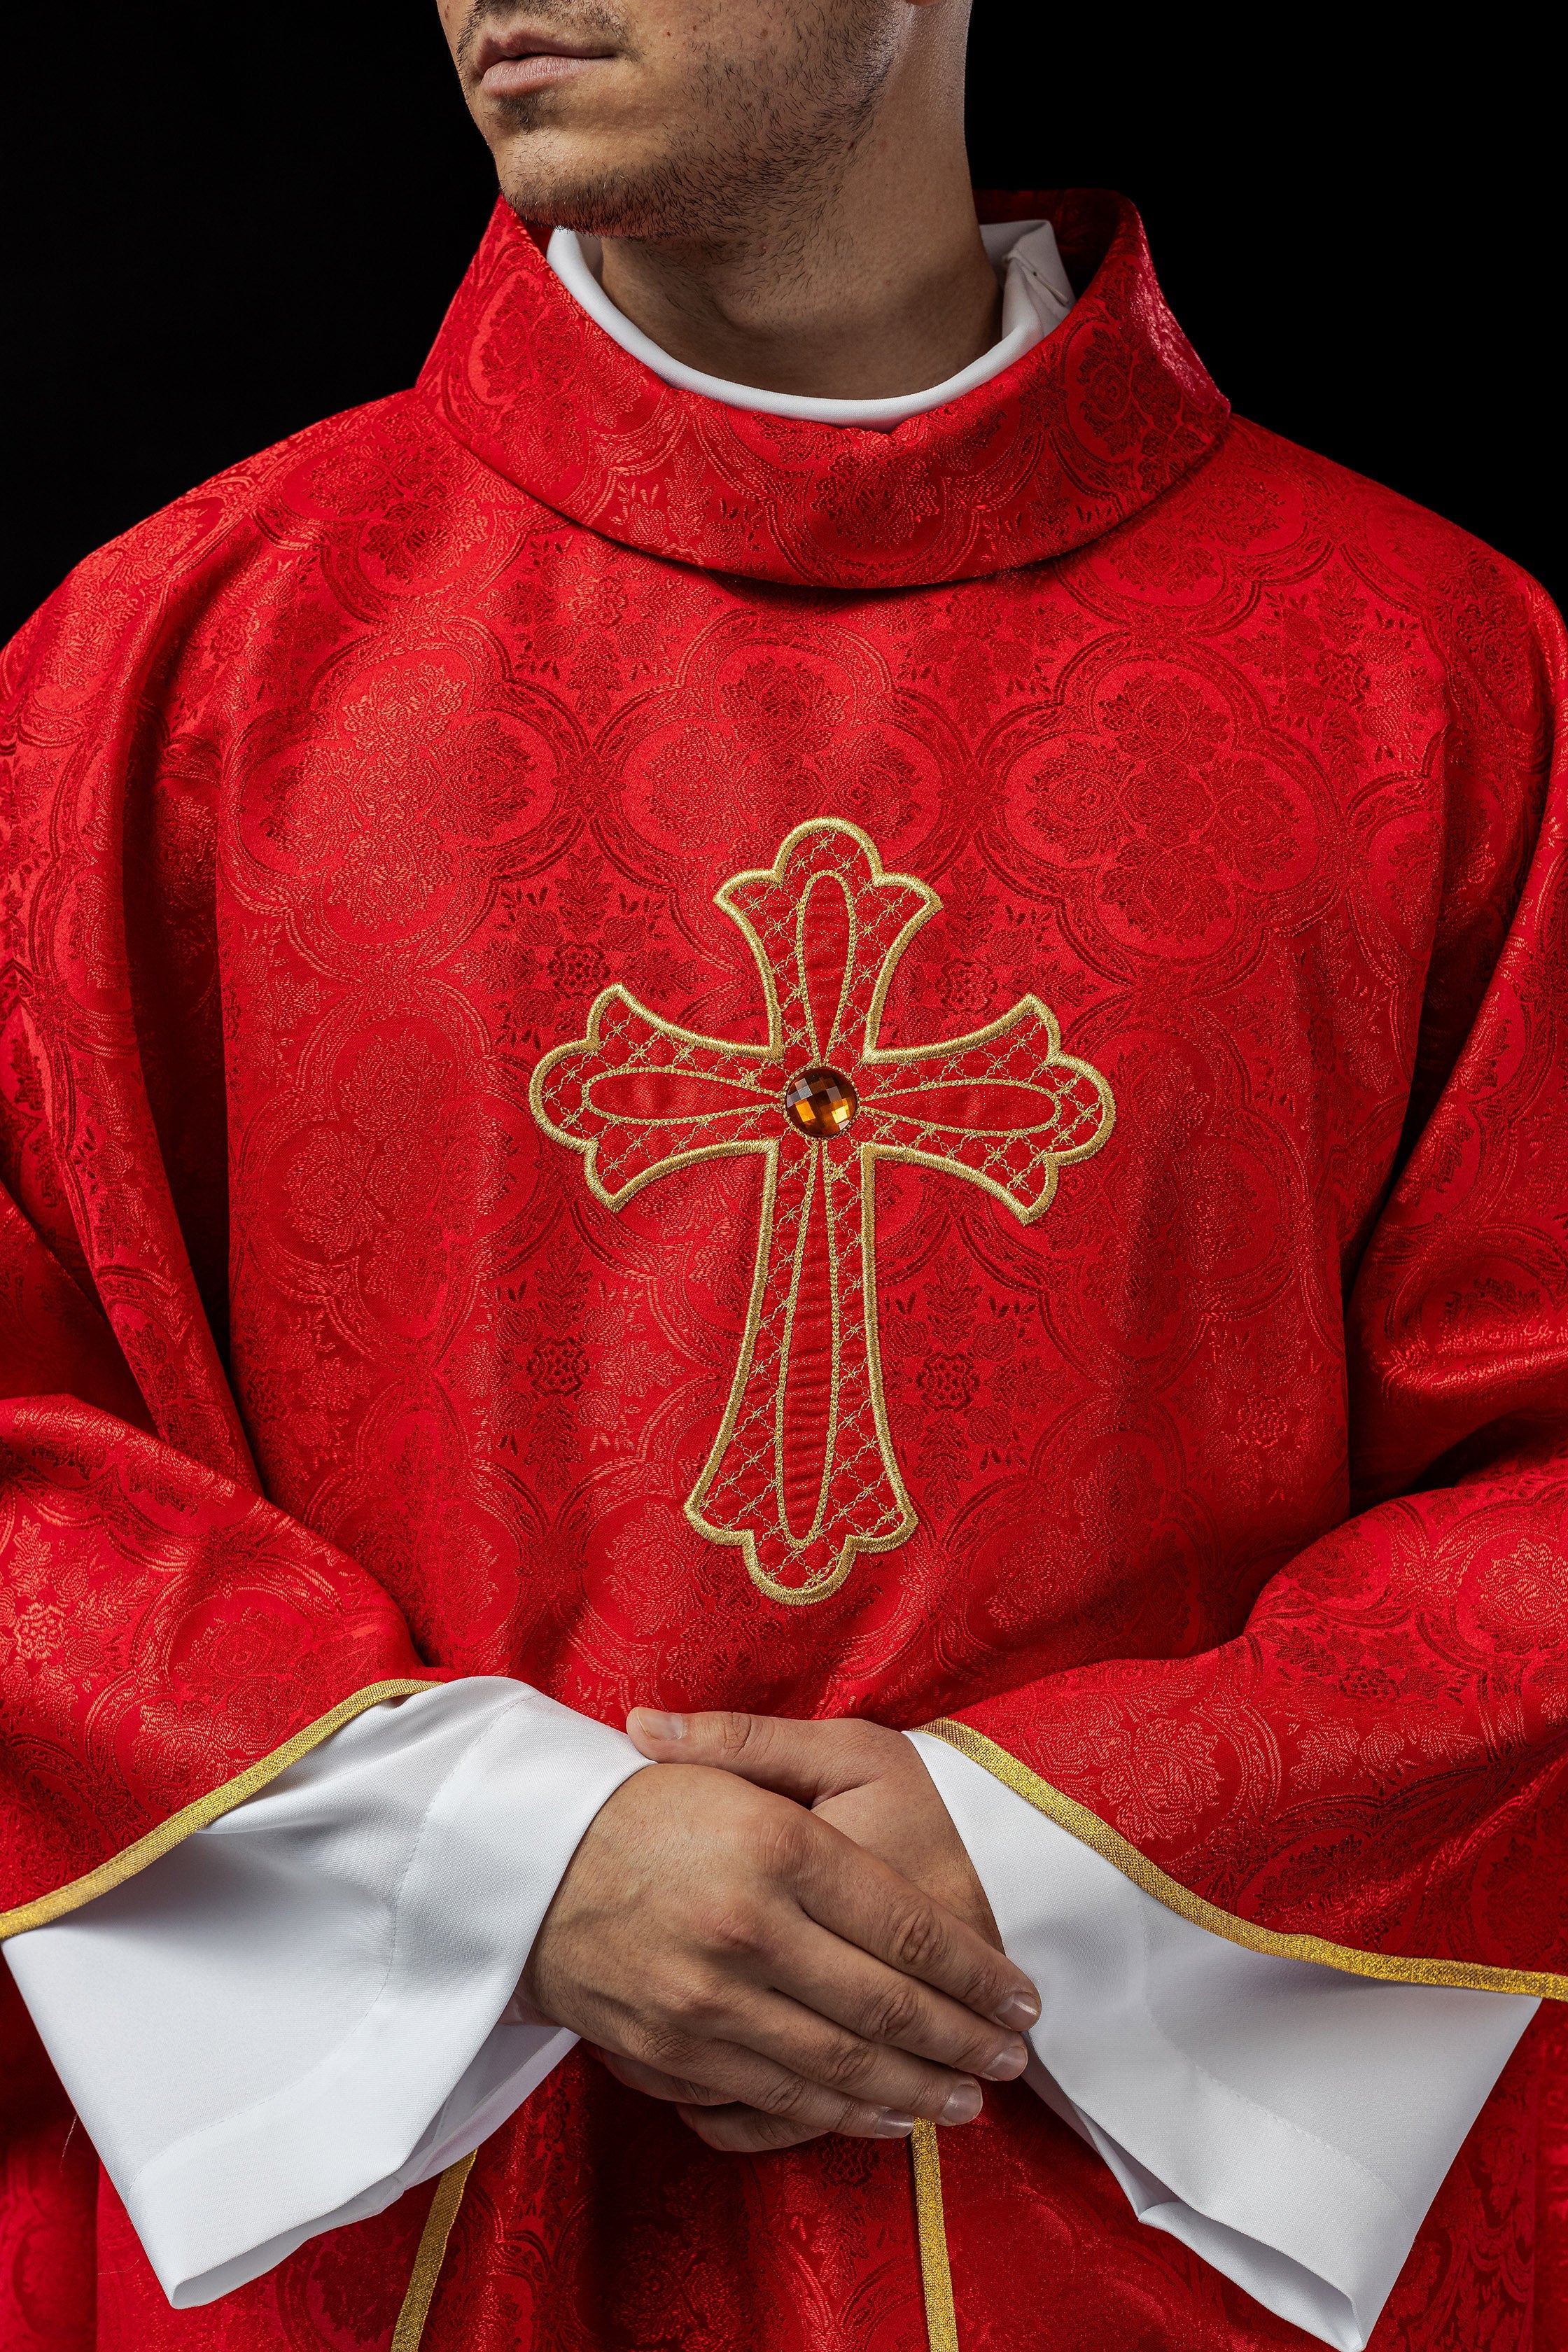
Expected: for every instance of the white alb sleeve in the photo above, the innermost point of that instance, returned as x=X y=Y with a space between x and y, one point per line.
x=306 y=2008
x=1289 y=2123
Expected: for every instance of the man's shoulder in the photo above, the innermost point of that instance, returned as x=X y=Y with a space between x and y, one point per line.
x=286 y=496
x=1322 y=565
x=1272 y=486
x=322 y=467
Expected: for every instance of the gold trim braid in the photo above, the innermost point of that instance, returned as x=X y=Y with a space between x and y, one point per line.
x=1068 y=1814
x=190 y=1818
x=930 y=2228
x=425 y=2274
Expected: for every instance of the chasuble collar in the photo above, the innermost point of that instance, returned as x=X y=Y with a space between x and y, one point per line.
x=1084 y=430
x=1035 y=298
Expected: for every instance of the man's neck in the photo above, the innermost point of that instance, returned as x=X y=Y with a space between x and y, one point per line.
x=877 y=286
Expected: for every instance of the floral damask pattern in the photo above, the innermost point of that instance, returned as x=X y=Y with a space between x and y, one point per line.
x=337 y=796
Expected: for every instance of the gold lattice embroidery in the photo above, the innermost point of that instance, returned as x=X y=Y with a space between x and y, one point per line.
x=803 y=1476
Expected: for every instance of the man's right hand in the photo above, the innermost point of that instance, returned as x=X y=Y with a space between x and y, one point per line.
x=720 y=1936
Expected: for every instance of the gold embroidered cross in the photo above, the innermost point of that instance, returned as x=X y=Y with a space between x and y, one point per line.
x=803 y=1474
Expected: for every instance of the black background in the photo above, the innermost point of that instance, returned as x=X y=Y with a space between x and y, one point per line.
x=223 y=225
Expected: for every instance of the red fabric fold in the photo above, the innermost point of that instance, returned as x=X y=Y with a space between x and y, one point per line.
x=1380 y=1757
x=162 y=1627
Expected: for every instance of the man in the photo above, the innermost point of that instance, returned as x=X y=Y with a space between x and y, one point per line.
x=801 y=1007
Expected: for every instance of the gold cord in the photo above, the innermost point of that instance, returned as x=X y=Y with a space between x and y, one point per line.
x=936 y=2277
x=427 y=2271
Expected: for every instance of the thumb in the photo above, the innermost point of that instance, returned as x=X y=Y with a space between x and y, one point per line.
x=806 y=1761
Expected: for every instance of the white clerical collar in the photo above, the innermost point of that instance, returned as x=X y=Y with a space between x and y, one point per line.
x=1036 y=297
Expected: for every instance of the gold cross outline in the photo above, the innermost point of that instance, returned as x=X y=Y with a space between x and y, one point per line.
x=766 y=1143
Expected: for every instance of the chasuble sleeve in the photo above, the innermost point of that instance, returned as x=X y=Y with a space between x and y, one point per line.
x=169 y=1640
x=307 y=2007
x=1373 y=1773
x=208 y=1769
x=1289 y=2123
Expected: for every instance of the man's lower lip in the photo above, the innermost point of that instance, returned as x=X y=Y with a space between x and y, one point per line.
x=510 y=76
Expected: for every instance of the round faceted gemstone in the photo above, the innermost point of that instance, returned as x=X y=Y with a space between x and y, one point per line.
x=821 y=1104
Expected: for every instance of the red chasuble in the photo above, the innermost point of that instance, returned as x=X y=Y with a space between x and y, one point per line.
x=717 y=1061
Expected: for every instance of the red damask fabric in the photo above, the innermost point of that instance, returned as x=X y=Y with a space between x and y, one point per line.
x=449 y=858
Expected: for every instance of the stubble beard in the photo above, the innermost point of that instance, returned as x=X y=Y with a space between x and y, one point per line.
x=752 y=151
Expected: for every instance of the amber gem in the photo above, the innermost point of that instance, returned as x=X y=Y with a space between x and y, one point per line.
x=821 y=1104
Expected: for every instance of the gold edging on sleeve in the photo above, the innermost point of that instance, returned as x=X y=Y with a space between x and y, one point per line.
x=181 y=1825
x=427 y=2271
x=1092 y=1830
x=930 y=2228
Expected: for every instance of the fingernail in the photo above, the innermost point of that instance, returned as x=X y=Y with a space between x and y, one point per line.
x=1019 y=2011
x=655 y=1726
x=963 y=2106
x=1005 y=2065
x=891 y=2124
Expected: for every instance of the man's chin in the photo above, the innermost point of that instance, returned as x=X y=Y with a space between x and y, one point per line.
x=600 y=197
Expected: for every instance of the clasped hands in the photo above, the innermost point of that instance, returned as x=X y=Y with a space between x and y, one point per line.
x=780 y=1932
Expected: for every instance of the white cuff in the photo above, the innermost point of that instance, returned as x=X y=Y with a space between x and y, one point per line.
x=292 y=2016
x=1289 y=2123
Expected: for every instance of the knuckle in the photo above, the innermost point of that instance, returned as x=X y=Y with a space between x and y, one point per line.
x=895 y=2012
x=985 y=1987
x=918 y=1939
x=783 y=1843
x=842 y=2064
x=734 y=1928
x=732 y=1732
x=664 y=2047
x=660 y=2085
x=704 y=2005
x=790 y=2099
x=974 y=2051
x=770 y=2131
x=698 y=2094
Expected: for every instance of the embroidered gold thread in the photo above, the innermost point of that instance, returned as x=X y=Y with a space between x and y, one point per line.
x=814 y=1184
x=1068 y=1814
x=424 y=2277
x=830 y=1173
x=822 y=1174
x=740 y=1489
x=196 y=1816
x=591 y=1038
x=743 y=1538
x=1027 y=1008
x=821 y=1041
x=930 y=2229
